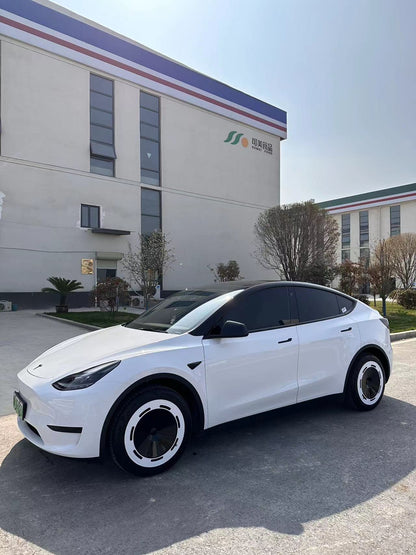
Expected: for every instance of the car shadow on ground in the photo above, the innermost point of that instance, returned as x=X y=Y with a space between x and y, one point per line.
x=276 y=470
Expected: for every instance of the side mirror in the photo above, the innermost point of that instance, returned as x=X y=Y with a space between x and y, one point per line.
x=233 y=329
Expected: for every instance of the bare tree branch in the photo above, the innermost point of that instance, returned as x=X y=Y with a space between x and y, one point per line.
x=148 y=262
x=298 y=242
x=403 y=258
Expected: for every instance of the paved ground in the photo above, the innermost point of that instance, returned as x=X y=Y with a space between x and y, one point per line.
x=24 y=336
x=315 y=478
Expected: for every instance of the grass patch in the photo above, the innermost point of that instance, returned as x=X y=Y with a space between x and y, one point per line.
x=96 y=318
x=400 y=318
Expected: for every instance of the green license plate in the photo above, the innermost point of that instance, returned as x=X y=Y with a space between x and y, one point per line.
x=19 y=405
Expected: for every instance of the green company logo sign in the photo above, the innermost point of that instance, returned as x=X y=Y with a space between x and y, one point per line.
x=235 y=138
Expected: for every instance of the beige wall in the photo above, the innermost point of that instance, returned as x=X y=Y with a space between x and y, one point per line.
x=213 y=191
x=379 y=225
x=40 y=233
x=196 y=159
x=45 y=109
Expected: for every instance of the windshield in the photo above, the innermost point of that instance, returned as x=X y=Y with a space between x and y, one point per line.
x=182 y=312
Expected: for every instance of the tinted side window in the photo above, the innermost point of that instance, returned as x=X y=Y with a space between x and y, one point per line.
x=315 y=304
x=345 y=304
x=268 y=308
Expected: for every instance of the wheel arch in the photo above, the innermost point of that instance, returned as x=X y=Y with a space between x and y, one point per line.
x=371 y=350
x=174 y=382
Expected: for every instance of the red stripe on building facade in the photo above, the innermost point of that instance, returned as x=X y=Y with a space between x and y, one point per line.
x=130 y=69
x=385 y=199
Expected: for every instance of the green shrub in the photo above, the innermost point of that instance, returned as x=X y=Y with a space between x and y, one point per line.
x=112 y=292
x=407 y=298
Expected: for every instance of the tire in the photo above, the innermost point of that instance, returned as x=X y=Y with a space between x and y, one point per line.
x=366 y=382
x=149 y=432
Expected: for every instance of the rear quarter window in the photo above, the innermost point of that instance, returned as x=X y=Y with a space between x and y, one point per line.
x=345 y=304
x=316 y=304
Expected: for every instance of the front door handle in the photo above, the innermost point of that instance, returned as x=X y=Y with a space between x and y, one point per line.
x=347 y=329
x=286 y=340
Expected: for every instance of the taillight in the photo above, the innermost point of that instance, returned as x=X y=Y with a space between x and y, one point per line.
x=385 y=322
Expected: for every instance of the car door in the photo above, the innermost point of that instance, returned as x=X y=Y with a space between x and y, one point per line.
x=328 y=340
x=247 y=375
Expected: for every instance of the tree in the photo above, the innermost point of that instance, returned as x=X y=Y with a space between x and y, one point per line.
x=147 y=264
x=352 y=276
x=298 y=241
x=380 y=271
x=226 y=272
x=114 y=291
x=63 y=287
x=403 y=258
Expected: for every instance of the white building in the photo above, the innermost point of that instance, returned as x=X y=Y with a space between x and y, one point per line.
x=102 y=139
x=367 y=218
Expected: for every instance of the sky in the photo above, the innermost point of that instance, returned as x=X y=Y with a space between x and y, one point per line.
x=344 y=70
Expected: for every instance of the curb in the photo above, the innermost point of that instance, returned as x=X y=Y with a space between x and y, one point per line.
x=70 y=322
x=402 y=335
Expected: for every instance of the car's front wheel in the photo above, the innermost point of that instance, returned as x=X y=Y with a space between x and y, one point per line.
x=365 y=386
x=149 y=432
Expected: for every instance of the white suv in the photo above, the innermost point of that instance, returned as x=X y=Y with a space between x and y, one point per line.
x=200 y=358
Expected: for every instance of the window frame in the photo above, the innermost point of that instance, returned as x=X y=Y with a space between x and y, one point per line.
x=345 y=234
x=151 y=139
x=96 y=144
x=250 y=294
x=364 y=229
x=89 y=206
x=159 y=192
x=395 y=228
x=205 y=328
x=337 y=295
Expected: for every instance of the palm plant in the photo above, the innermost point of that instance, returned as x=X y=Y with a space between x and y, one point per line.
x=63 y=287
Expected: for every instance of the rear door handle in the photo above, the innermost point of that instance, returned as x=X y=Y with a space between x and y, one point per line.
x=347 y=329
x=286 y=340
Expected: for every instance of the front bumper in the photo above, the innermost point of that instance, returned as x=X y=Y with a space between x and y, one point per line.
x=81 y=413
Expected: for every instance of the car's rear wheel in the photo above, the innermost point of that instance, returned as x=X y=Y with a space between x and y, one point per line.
x=365 y=386
x=149 y=432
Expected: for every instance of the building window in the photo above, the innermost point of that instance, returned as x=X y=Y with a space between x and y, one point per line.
x=365 y=256
x=105 y=273
x=151 y=212
x=364 y=235
x=345 y=237
x=90 y=216
x=345 y=255
x=364 y=239
x=394 y=220
x=102 y=125
x=149 y=139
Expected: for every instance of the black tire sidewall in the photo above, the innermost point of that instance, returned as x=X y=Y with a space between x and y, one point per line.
x=122 y=417
x=352 y=396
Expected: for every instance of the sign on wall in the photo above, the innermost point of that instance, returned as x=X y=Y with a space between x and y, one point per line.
x=87 y=266
x=235 y=138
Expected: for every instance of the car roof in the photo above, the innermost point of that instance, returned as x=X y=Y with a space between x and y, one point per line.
x=227 y=286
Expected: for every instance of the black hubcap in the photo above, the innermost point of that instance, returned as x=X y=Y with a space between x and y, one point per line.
x=155 y=433
x=370 y=383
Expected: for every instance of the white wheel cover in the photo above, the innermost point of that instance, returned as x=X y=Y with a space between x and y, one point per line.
x=364 y=368
x=159 y=404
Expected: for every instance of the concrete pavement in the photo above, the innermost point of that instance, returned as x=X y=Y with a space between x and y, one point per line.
x=24 y=336
x=313 y=478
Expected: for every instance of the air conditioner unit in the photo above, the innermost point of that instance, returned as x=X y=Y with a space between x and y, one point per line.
x=5 y=306
x=137 y=301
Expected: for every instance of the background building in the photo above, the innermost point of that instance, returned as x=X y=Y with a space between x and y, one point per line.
x=367 y=218
x=102 y=139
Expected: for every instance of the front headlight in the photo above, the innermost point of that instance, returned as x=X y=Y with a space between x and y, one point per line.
x=86 y=378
